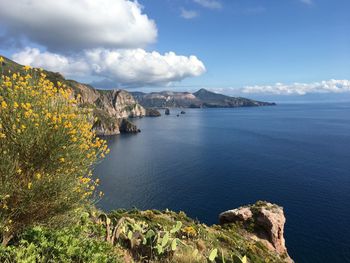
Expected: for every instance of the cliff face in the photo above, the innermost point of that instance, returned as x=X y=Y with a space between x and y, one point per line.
x=123 y=104
x=109 y=106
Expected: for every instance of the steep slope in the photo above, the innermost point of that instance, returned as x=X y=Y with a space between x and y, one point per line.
x=110 y=107
x=200 y=99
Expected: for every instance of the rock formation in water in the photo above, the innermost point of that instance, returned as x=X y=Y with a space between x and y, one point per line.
x=265 y=222
x=167 y=111
x=127 y=126
x=152 y=112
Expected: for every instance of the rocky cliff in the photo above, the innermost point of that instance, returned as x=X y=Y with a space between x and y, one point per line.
x=264 y=222
x=109 y=107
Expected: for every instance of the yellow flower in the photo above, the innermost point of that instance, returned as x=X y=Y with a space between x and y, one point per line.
x=189 y=231
x=1 y=59
x=62 y=160
x=30 y=185
x=26 y=68
x=4 y=105
x=38 y=176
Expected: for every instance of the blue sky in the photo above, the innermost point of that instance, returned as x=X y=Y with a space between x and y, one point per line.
x=238 y=46
x=261 y=41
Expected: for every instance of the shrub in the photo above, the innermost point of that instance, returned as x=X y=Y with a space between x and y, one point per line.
x=80 y=242
x=47 y=151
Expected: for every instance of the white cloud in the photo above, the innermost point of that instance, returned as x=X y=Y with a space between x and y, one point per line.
x=51 y=61
x=212 y=4
x=329 y=86
x=78 y=24
x=188 y=14
x=127 y=67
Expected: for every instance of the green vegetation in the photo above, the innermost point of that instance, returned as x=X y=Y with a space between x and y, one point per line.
x=136 y=236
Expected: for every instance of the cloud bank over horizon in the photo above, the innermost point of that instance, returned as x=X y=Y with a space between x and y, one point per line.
x=326 y=86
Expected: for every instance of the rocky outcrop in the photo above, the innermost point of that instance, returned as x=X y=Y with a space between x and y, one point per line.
x=116 y=103
x=104 y=129
x=152 y=113
x=265 y=221
x=167 y=111
x=111 y=108
x=127 y=126
x=122 y=103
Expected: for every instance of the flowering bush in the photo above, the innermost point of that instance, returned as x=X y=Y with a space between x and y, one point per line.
x=47 y=151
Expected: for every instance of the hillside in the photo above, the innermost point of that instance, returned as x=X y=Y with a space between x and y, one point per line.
x=200 y=99
x=250 y=234
x=111 y=108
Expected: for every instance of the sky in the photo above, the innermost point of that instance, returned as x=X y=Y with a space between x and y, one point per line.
x=255 y=48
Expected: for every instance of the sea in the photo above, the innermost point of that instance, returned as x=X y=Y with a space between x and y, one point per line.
x=210 y=160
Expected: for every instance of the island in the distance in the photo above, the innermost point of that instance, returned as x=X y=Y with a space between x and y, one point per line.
x=201 y=99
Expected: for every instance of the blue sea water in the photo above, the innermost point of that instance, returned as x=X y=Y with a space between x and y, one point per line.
x=211 y=160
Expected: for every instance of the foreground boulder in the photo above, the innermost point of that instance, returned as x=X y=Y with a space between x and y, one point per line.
x=264 y=220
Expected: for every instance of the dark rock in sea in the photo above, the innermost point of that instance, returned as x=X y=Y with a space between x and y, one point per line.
x=127 y=126
x=183 y=112
x=152 y=112
x=264 y=220
x=167 y=111
x=177 y=115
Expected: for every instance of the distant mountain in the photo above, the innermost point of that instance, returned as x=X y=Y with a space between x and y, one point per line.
x=200 y=99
